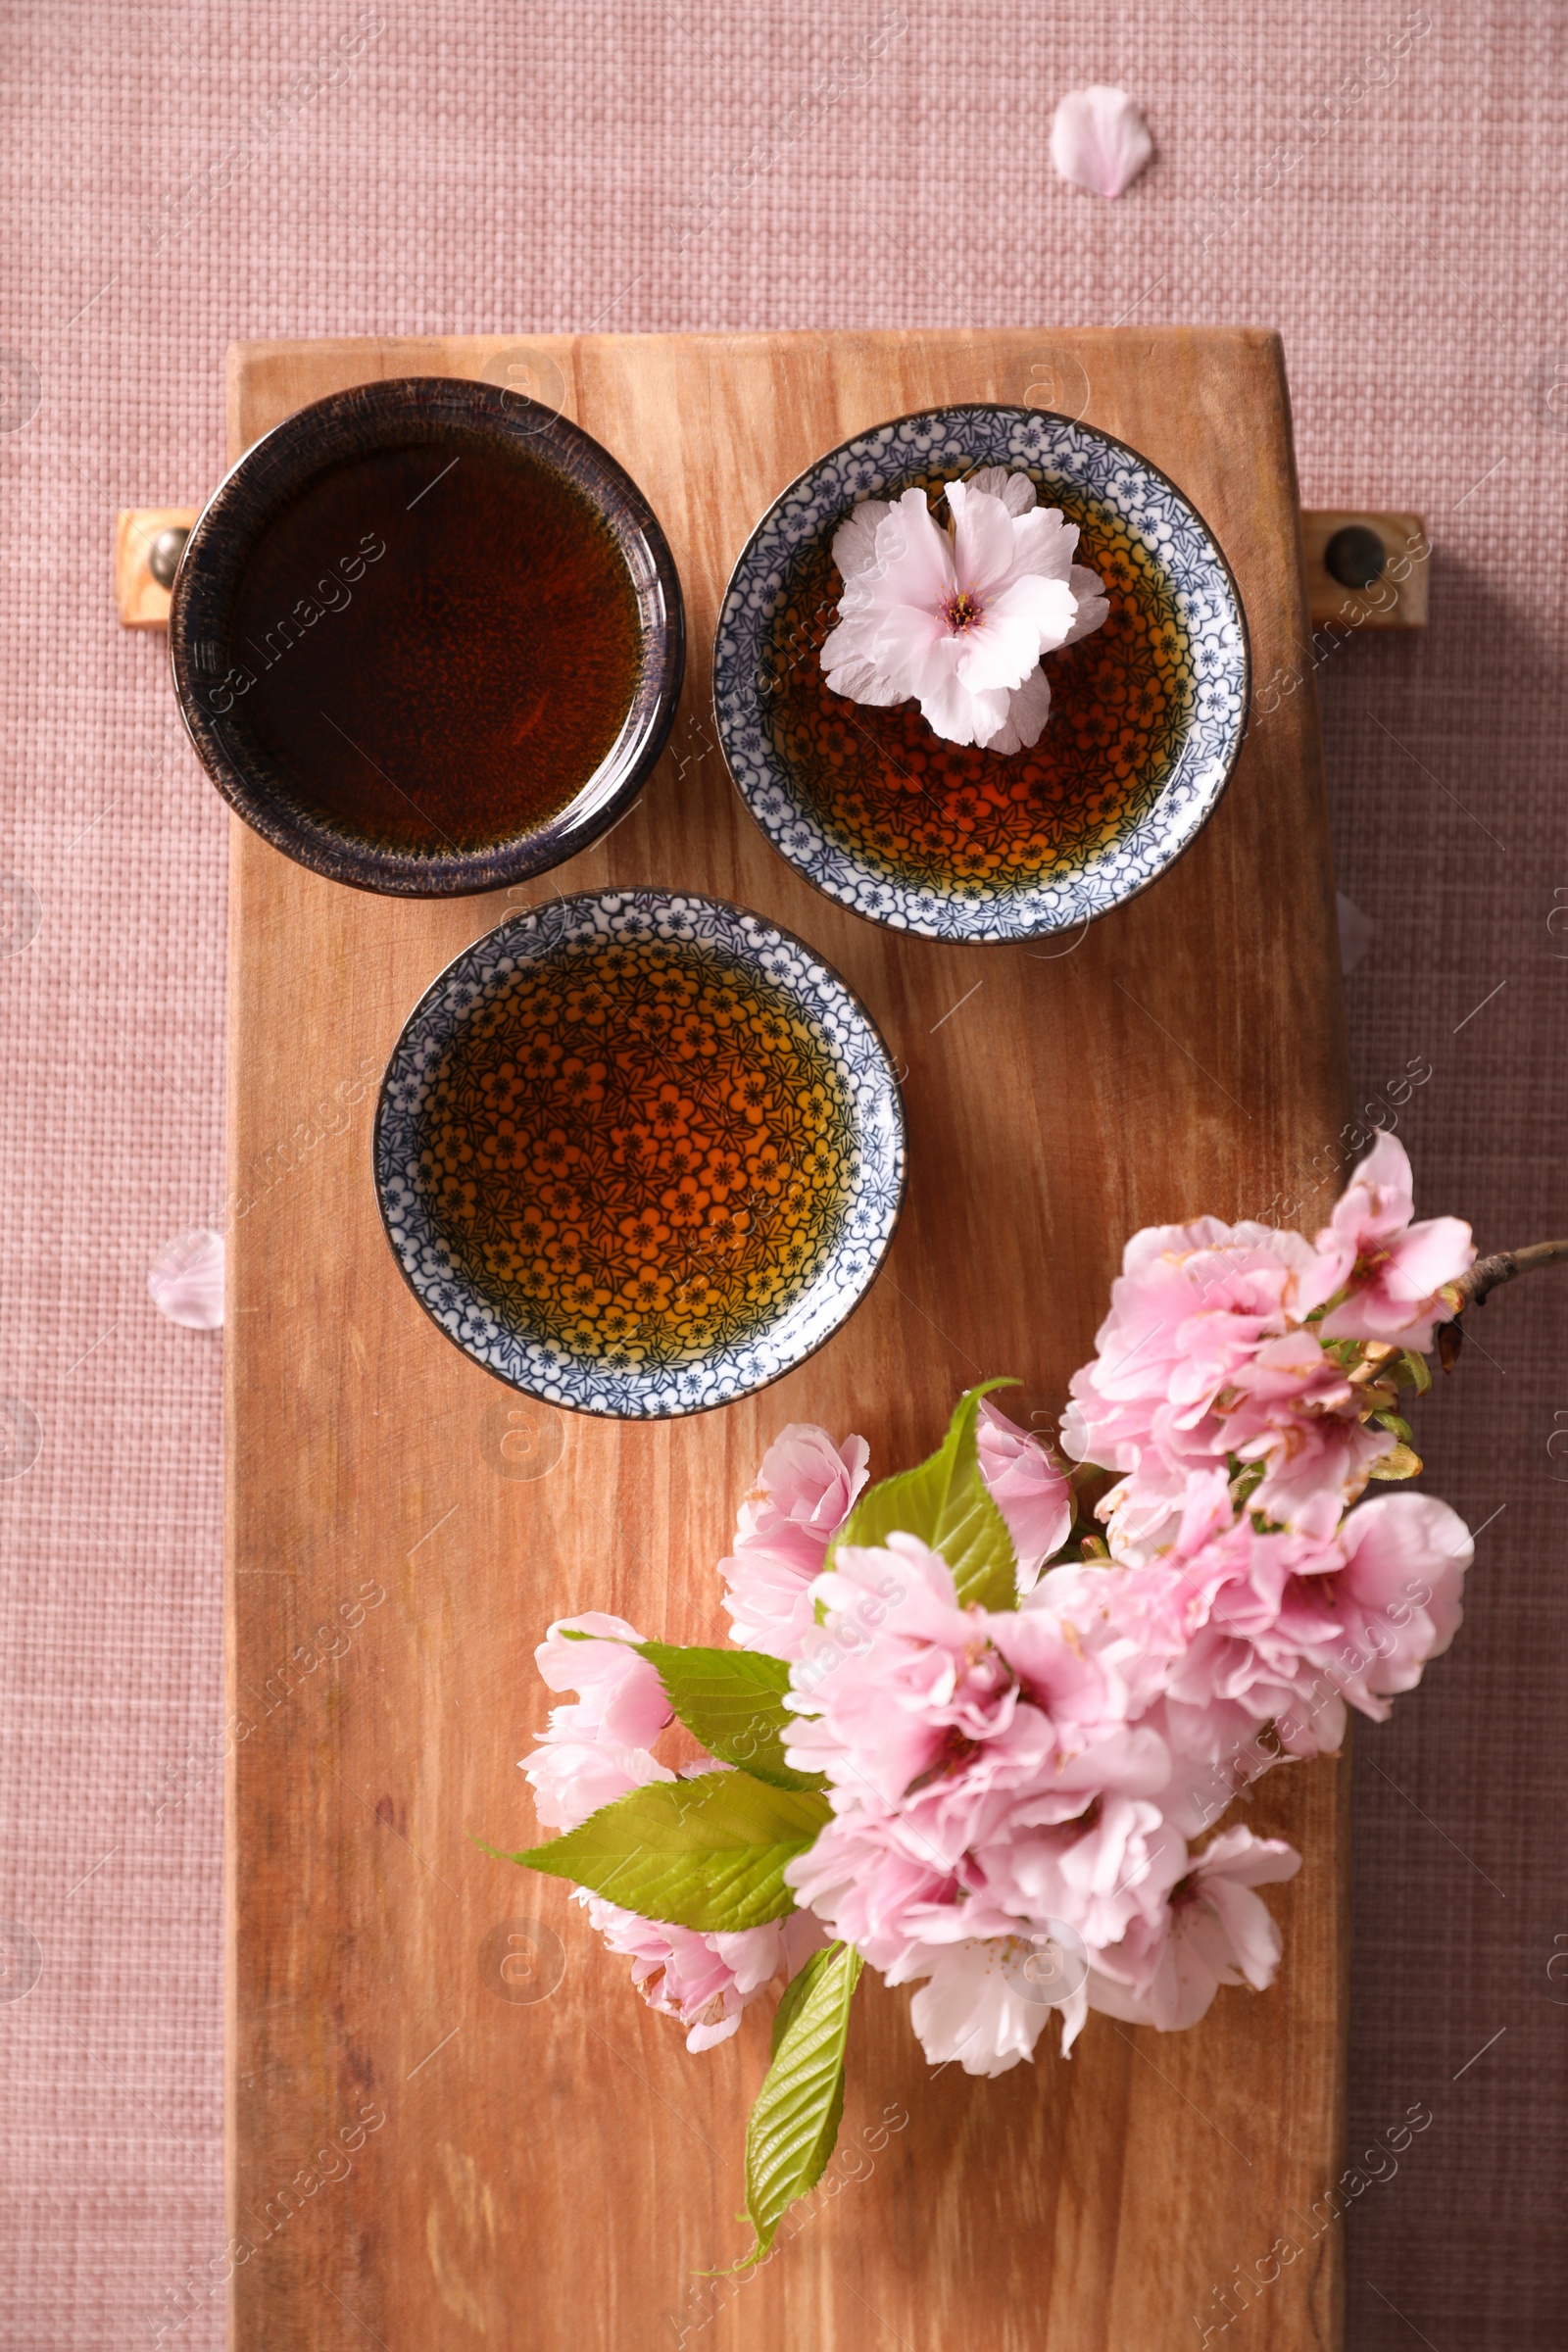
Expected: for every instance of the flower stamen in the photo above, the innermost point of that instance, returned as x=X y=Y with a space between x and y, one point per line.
x=963 y=612
x=953 y=1755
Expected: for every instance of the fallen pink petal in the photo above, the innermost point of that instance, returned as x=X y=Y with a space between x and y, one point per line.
x=186 y=1281
x=1100 y=140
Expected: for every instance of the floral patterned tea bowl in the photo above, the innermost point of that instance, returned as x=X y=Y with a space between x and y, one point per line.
x=639 y=1154
x=950 y=840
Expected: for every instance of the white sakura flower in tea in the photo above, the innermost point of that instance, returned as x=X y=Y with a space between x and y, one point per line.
x=1098 y=140
x=186 y=1282
x=957 y=621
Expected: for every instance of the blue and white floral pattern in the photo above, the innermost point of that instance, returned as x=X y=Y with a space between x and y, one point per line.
x=853 y=1257
x=953 y=441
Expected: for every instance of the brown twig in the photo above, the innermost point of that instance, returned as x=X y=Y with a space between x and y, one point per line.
x=1487 y=1275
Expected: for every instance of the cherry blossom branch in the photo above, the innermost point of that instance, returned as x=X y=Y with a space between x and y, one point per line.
x=1487 y=1275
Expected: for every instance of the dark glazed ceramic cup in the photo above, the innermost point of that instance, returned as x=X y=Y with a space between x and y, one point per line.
x=349 y=449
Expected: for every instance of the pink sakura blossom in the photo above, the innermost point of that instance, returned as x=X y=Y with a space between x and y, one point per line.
x=571 y=1778
x=901 y=1883
x=1394 y=1269
x=1212 y=1931
x=1293 y=1410
x=597 y=1751
x=998 y=1778
x=802 y=1495
x=1391 y=1587
x=805 y=1491
x=1031 y=1492
x=909 y=1692
x=1234 y=1625
x=980 y=1765
x=1189 y=1311
x=1144 y=1512
x=976 y=2005
x=1211 y=1348
x=1138 y=1618
x=1289 y=1627
x=620 y=1694
x=1204 y=1354
x=1287 y=1414
x=1109 y=1865
x=706 y=1982
x=1160 y=1506
x=1257 y=1620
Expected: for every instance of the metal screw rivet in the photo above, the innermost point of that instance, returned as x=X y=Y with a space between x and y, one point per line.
x=163 y=557
x=1355 y=557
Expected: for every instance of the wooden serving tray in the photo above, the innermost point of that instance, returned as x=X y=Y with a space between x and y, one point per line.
x=432 y=2141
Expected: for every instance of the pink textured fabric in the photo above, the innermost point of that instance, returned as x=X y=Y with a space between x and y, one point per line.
x=1383 y=182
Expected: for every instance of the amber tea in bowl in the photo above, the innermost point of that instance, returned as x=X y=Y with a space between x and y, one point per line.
x=639 y=1154
x=954 y=841
x=427 y=640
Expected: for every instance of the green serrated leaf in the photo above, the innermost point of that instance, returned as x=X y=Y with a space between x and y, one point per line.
x=733 y=1702
x=796 y=2119
x=944 y=1501
x=1414 y=1371
x=1402 y=1463
x=795 y=1992
x=1393 y=1421
x=708 y=1853
x=731 y=1699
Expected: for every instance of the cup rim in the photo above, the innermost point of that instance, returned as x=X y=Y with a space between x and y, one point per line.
x=253 y=490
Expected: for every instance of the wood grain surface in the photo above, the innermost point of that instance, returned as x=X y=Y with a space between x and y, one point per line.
x=432 y=2140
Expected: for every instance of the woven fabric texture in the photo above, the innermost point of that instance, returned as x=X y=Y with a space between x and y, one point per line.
x=1383 y=182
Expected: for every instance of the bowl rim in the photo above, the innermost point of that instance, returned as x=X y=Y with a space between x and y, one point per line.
x=660 y=896
x=998 y=932
x=478 y=405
